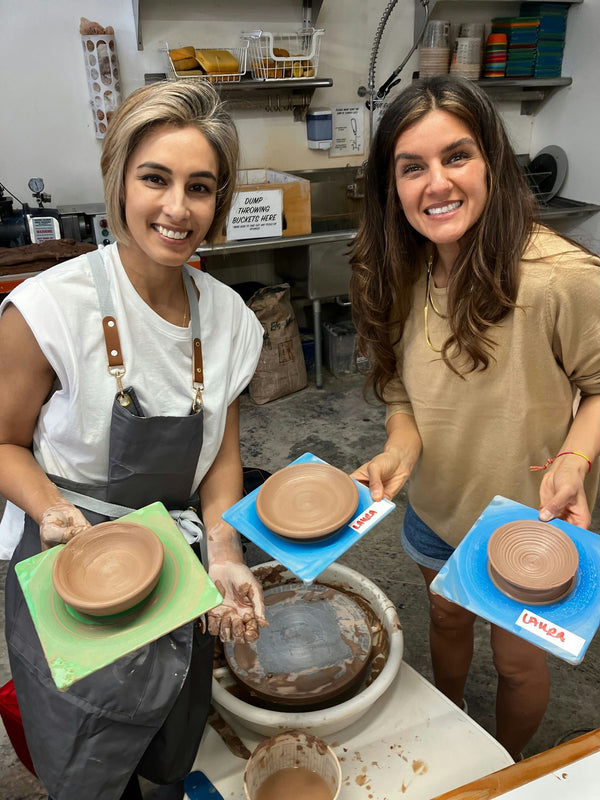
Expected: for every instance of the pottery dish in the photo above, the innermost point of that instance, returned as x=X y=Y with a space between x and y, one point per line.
x=532 y=562
x=109 y=568
x=307 y=501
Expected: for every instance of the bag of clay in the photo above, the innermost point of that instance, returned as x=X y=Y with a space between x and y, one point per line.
x=281 y=369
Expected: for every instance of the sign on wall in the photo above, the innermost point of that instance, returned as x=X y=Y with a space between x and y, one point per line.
x=348 y=131
x=255 y=214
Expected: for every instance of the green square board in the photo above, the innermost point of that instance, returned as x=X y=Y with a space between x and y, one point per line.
x=76 y=645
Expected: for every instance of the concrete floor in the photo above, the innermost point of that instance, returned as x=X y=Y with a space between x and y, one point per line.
x=337 y=425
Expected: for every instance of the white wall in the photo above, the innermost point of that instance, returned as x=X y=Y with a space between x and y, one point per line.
x=46 y=126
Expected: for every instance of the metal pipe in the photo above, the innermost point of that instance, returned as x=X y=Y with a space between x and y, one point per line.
x=393 y=80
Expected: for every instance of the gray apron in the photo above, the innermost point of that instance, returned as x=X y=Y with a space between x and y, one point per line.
x=146 y=712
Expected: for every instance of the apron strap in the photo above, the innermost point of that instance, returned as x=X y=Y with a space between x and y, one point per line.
x=187 y=520
x=197 y=365
x=116 y=365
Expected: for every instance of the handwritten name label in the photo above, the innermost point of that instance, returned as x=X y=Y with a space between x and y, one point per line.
x=370 y=516
x=549 y=631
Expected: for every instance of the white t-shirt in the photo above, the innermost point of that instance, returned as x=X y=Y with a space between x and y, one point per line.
x=71 y=438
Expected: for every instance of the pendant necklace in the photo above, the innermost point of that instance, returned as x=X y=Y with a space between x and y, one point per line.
x=428 y=302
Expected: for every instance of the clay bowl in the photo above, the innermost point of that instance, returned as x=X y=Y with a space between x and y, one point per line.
x=307 y=501
x=314 y=651
x=109 y=568
x=532 y=562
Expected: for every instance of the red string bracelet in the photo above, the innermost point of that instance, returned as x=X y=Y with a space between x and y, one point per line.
x=565 y=453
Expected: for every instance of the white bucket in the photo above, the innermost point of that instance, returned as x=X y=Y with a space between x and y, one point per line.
x=329 y=720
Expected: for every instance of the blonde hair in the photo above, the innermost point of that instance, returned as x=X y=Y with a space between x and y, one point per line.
x=180 y=104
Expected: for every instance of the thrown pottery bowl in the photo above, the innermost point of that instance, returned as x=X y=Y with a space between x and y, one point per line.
x=532 y=561
x=307 y=501
x=109 y=568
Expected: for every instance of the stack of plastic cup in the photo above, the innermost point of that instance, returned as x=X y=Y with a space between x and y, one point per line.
x=434 y=52
x=495 y=55
x=472 y=29
x=466 y=57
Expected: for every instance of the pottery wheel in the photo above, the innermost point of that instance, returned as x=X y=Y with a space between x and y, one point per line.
x=316 y=647
x=307 y=501
x=108 y=568
x=532 y=561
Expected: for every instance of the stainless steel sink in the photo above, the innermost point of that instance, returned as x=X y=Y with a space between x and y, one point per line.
x=335 y=197
x=322 y=269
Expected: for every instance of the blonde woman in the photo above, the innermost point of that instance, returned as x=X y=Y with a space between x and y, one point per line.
x=77 y=438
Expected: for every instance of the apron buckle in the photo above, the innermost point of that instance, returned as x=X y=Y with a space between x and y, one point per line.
x=122 y=396
x=197 y=404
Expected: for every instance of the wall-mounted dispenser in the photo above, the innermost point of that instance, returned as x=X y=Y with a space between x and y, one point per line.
x=319 y=128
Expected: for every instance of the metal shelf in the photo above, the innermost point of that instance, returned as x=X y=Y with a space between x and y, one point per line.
x=530 y=92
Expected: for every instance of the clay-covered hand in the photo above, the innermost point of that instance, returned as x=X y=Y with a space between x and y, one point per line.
x=242 y=612
x=60 y=523
x=385 y=474
x=562 y=495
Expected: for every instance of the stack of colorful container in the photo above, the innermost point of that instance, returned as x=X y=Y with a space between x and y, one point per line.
x=495 y=56
x=551 y=36
x=522 y=35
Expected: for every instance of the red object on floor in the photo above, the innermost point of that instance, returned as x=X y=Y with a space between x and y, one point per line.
x=11 y=717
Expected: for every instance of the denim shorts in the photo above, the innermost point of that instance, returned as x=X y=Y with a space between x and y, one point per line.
x=422 y=544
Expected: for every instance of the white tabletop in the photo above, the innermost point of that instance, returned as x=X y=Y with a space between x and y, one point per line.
x=413 y=743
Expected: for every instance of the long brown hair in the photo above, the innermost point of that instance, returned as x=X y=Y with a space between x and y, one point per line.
x=388 y=254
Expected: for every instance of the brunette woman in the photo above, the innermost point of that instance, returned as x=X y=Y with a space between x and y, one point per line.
x=482 y=329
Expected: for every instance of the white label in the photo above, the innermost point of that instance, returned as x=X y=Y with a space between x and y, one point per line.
x=256 y=214
x=550 y=632
x=43 y=229
x=370 y=516
x=348 y=131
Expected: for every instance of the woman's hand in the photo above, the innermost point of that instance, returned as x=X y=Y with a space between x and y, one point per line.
x=242 y=612
x=60 y=523
x=562 y=495
x=385 y=474
x=561 y=492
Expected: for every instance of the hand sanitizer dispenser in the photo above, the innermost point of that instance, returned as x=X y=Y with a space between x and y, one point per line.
x=319 y=128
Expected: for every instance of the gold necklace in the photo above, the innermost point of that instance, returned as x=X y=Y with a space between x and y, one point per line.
x=428 y=300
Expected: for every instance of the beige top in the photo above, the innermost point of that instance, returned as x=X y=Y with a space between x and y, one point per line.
x=480 y=434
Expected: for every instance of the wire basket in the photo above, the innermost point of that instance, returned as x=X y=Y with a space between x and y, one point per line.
x=536 y=180
x=239 y=53
x=284 y=56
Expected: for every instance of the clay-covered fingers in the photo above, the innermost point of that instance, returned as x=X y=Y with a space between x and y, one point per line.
x=242 y=612
x=231 y=627
x=60 y=523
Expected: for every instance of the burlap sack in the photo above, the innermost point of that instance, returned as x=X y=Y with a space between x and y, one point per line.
x=281 y=369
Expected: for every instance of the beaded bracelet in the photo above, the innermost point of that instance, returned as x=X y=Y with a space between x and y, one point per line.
x=565 y=453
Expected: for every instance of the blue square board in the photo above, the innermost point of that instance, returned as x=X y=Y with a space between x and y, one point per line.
x=307 y=559
x=564 y=628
